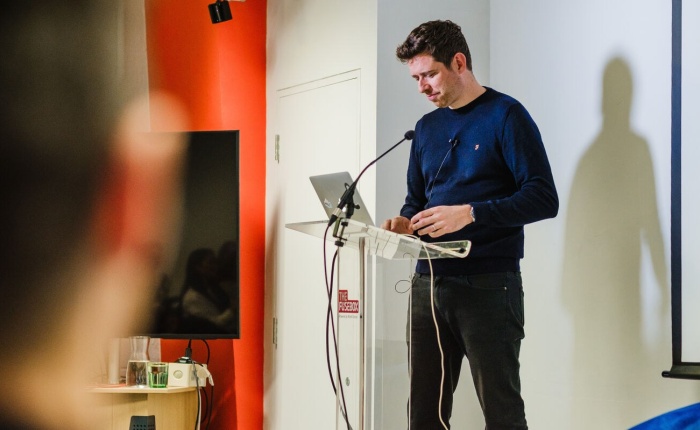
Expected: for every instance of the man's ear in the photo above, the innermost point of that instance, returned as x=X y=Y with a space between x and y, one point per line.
x=459 y=63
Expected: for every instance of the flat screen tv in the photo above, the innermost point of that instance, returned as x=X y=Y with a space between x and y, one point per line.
x=198 y=295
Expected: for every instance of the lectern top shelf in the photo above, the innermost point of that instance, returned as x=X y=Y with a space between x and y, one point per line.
x=383 y=243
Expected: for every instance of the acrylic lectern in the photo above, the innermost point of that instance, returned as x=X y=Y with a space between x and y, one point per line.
x=364 y=240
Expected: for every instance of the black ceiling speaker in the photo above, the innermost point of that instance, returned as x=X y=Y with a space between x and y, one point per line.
x=220 y=11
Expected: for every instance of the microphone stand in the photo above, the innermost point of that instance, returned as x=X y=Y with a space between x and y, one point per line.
x=347 y=202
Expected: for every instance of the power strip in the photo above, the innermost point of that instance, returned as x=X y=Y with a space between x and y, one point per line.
x=183 y=375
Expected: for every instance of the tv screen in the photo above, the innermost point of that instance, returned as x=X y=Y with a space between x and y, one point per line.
x=198 y=296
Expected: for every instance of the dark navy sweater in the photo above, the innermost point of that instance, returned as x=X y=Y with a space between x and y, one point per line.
x=489 y=154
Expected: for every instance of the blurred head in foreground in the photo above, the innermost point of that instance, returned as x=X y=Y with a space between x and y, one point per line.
x=89 y=202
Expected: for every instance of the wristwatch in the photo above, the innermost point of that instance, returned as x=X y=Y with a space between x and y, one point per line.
x=471 y=213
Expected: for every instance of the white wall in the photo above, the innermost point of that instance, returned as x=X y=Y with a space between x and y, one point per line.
x=321 y=98
x=596 y=76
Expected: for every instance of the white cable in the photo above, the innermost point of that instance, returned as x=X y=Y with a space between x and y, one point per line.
x=437 y=335
x=410 y=352
x=199 y=395
x=199 y=415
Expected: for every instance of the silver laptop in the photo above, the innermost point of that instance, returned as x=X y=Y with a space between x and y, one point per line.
x=331 y=187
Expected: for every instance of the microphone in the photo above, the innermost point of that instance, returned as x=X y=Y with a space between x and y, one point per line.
x=454 y=142
x=347 y=198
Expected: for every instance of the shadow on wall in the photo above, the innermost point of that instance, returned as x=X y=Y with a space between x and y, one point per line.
x=612 y=215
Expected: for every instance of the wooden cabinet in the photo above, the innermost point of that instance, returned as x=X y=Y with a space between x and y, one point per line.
x=174 y=407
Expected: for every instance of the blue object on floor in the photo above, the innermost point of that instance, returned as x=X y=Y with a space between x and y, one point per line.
x=686 y=418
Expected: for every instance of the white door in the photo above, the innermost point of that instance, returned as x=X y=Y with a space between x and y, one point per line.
x=319 y=132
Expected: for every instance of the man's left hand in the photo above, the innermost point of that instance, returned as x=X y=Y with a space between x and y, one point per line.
x=441 y=220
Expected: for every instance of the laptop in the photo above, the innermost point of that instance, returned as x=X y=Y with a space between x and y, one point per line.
x=331 y=187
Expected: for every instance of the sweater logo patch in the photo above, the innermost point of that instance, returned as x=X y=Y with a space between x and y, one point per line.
x=476 y=147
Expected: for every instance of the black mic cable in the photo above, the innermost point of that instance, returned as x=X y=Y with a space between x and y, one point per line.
x=347 y=197
x=454 y=142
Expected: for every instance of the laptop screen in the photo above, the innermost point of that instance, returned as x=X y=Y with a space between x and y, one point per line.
x=331 y=187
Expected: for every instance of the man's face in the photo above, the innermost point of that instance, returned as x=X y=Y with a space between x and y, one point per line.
x=438 y=82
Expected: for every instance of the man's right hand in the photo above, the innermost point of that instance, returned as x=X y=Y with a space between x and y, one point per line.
x=398 y=225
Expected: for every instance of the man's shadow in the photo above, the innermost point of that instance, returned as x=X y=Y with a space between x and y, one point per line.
x=612 y=224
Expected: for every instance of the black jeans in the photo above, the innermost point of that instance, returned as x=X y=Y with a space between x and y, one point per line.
x=480 y=317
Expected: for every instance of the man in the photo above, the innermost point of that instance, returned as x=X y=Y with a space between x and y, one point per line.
x=478 y=171
x=88 y=203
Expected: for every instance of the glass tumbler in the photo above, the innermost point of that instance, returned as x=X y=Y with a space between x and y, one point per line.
x=136 y=368
x=157 y=374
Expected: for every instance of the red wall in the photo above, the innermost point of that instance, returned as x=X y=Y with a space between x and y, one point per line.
x=218 y=71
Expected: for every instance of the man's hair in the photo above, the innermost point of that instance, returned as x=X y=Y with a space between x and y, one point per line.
x=60 y=92
x=441 y=39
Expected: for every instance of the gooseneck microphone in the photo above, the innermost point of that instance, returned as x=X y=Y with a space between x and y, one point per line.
x=346 y=200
